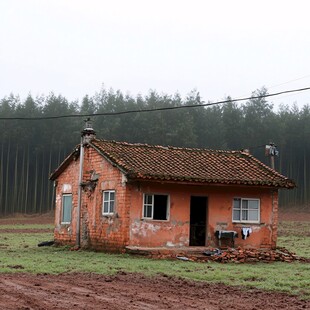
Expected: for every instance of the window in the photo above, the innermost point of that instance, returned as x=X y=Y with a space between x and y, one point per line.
x=108 y=202
x=66 y=208
x=155 y=207
x=246 y=210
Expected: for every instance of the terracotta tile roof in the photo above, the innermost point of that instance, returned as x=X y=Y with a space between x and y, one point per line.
x=147 y=162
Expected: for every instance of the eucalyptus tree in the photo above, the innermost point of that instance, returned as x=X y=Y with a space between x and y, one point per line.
x=30 y=150
x=257 y=112
x=233 y=125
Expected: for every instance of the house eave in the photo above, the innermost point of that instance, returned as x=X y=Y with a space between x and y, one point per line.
x=74 y=155
x=200 y=182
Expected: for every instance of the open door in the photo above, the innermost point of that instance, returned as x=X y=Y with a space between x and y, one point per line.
x=198 y=221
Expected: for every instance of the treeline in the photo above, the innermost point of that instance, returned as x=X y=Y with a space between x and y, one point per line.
x=31 y=149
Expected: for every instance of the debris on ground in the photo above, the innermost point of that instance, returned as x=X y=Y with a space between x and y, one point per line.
x=184 y=258
x=212 y=252
x=46 y=243
x=238 y=255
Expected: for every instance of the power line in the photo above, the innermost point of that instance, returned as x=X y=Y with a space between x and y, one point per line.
x=156 y=109
x=290 y=81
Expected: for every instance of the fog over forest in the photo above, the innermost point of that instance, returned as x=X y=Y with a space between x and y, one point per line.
x=31 y=149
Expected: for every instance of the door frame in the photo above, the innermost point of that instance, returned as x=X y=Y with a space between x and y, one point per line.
x=206 y=218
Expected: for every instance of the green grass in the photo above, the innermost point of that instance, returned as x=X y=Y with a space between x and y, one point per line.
x=296 y=244
x=295 y=228
x=19 y=253
x=295 y=236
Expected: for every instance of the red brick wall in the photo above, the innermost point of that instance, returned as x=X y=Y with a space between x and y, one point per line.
x=97 y=231
x=106 y=232
x=67 y=183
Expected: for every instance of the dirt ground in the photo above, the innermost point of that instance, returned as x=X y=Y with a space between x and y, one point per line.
x=295 y=215
x=47 y=218
x=132 y=291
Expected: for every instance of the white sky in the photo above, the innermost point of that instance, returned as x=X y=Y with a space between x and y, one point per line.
x=72 y=47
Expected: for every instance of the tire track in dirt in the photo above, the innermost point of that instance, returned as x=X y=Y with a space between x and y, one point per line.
x=132 y=291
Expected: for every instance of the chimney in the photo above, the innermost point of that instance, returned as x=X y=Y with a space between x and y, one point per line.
x=88 y=133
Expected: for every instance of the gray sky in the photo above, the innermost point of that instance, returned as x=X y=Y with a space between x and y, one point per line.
x=72 y=47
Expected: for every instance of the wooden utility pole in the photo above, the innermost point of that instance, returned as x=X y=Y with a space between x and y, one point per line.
x=272 y=162
x=271 y=151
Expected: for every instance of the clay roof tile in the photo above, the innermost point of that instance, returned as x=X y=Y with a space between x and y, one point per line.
x=142 y=161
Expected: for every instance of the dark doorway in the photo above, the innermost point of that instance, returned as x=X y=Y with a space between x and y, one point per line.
x=198 y=221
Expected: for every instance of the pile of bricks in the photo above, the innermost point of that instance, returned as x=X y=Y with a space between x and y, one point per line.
x=240 y=255
x=255 y=255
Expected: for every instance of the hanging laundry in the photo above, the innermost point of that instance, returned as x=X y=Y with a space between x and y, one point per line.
x=245 y=232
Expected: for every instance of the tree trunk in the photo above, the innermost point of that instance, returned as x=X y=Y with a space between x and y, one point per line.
x=6 y=201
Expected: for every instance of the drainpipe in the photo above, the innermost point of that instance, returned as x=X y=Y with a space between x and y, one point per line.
x=78 y=211
x=87 y=135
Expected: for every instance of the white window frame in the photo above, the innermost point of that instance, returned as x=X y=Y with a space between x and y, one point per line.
x=240 y=220
x=62 y=209
x=144 y=204
x=108 y=201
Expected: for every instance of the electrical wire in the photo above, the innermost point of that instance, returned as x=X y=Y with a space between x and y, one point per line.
x=156 y=109
x=290 y=81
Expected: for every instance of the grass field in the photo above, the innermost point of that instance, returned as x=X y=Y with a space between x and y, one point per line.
x=19 y=253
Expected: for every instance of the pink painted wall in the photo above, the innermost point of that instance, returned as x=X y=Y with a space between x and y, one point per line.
x=175 y=231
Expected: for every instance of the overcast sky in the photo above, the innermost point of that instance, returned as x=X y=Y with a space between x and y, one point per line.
x=220 y=48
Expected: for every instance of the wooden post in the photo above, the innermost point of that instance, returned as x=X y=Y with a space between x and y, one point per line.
x=272 y=161
x=271 y=151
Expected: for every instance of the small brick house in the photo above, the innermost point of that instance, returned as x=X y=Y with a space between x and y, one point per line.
x=112 y=195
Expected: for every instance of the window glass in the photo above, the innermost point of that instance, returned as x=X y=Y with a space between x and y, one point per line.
x=253 y=204
x=148 y=199
x=237 y=203
x=245 y=210
x=148 y=211
x=106 y=196
x=111 y=196
x=155 y=207
x=244 y=204
x=253 y=215
x=108 y=202
x=106 y=207
x=236 y=215
x=66 y=208
x=244 y=215
x=111 y=206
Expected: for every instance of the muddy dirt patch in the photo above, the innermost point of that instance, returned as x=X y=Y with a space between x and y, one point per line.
x=17 y=219
x=132 y=291
x=294 y=215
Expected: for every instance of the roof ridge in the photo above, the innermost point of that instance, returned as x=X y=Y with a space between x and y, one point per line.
x=170 y=147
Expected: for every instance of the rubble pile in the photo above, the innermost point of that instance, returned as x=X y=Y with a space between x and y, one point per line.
x=255 y=255
x=239 y=255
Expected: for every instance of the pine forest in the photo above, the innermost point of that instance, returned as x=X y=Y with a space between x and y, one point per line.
x=31 y=149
